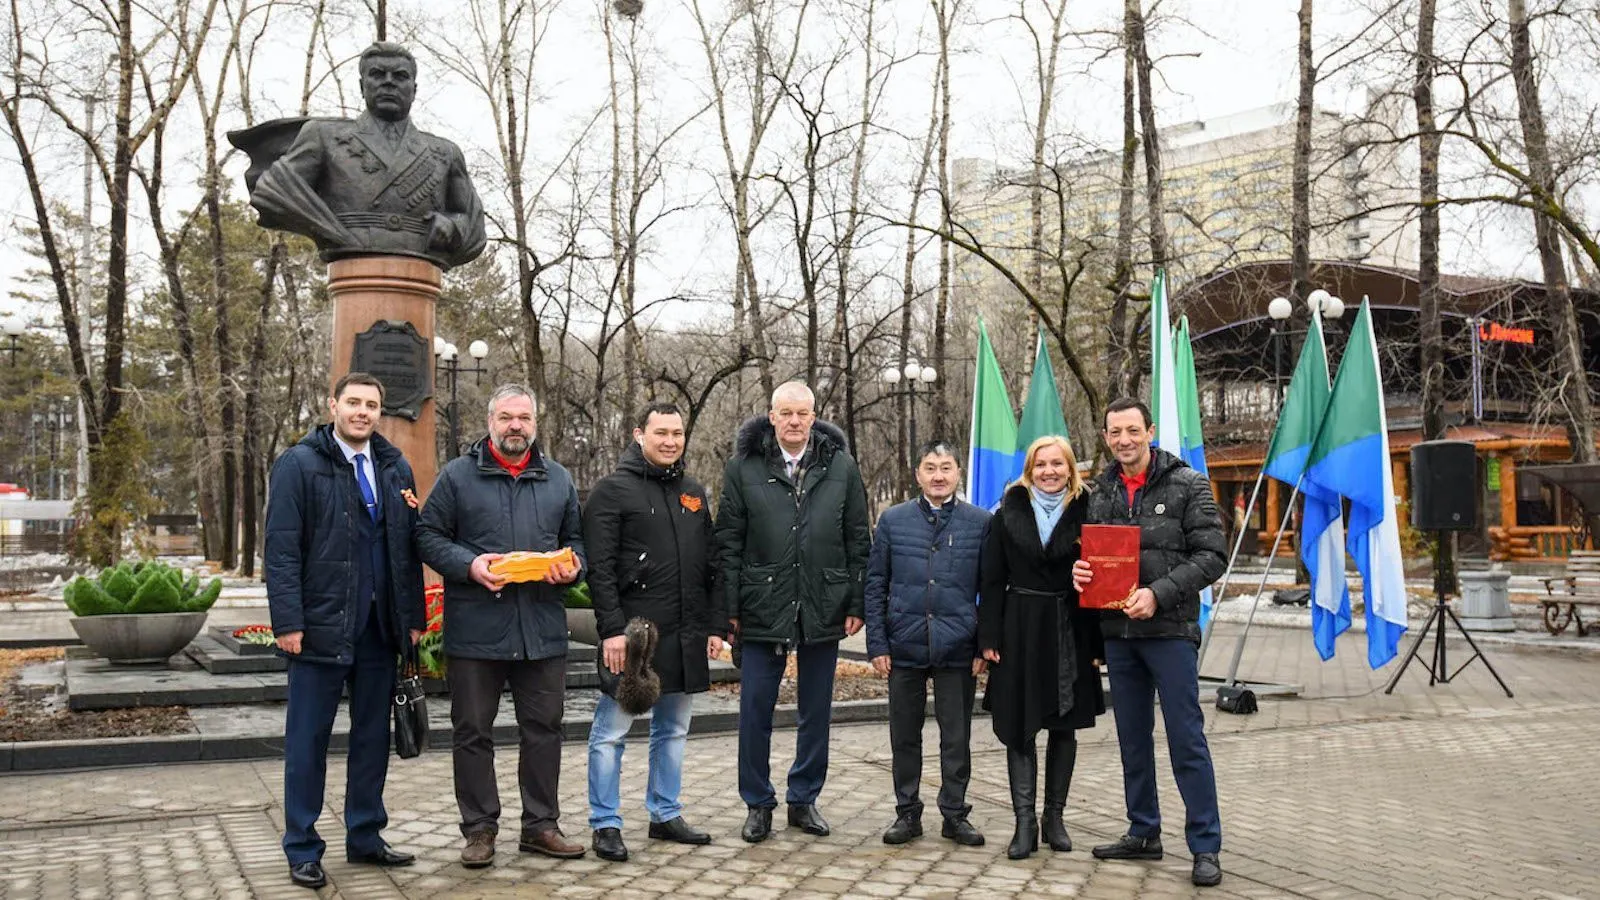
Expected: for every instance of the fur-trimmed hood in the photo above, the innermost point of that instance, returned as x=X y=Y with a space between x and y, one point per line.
x=756 y=437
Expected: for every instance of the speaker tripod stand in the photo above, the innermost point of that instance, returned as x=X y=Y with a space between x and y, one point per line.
x=1438 y=663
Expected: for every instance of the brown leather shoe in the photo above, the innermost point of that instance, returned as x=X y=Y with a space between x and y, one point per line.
x=479 y=851
x=550 y=842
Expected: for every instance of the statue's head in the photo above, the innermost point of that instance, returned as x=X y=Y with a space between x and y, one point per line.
x=388 y=80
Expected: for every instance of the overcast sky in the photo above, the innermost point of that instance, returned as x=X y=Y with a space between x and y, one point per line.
x=1238 y=55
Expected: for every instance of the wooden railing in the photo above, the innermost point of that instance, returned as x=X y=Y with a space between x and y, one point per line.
x=1534 y=542
x=1285 y=546
x=22 y=544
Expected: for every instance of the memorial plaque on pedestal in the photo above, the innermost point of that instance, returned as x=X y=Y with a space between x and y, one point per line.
x=400 y=358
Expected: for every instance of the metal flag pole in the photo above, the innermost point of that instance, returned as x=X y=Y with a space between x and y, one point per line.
x=1222 y=589
x=1238 y=650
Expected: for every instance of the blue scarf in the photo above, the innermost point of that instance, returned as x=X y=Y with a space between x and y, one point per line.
x=1046 y=511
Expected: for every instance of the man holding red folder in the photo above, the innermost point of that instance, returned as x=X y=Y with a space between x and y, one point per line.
x=1152 y=644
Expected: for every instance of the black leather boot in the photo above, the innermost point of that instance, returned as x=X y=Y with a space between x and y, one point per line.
x=1022 y=769
x=1060 y=755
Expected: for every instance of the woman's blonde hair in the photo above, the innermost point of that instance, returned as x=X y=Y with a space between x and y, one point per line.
x=1075 y=485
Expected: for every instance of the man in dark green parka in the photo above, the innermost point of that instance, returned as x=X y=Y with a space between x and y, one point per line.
x=794 y=536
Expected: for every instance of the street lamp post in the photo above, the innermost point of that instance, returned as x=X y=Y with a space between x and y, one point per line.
x=13 y=328
x=1320 y=302
x=450 y=367
x=55 y=420
x=913 y=373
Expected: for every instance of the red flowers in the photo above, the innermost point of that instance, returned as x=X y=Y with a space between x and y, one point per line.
x=254 y=634
x=435 y=607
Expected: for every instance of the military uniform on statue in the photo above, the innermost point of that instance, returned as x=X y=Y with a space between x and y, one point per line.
x=376 y=184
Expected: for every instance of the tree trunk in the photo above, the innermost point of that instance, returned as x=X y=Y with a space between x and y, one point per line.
x=253 y=424
x=1041 y=130
x=117 y=255
x=211 y=520
x=634 y=354
x=908 y=289
x=1119 y=338
x=227 y=383
x=622 y=244
x=1573 y=392
x=844 y=252
x=1300 y=214
x=941 y=411
x=1432 y=336
x=1152 y=141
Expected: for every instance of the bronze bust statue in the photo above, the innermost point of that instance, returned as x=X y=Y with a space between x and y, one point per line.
x=374 y=185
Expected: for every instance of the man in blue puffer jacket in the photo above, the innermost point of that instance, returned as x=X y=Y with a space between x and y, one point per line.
x=922 y=624
x=344 y=587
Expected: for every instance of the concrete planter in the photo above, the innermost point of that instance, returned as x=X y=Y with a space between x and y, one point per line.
x=138 y=638
x=1486 y=601
x=581 y=626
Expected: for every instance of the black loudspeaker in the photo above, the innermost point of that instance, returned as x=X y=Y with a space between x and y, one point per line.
x=1444 y=486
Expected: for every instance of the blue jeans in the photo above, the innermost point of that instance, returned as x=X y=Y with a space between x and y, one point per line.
x=669 y=730
x=760 y=672
x=1141 y=668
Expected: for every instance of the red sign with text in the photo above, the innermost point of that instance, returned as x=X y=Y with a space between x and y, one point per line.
x=1494 y=331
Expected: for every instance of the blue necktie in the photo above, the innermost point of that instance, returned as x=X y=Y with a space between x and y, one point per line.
x=366 y=487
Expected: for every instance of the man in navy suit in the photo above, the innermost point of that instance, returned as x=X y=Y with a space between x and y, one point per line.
x=344 y=584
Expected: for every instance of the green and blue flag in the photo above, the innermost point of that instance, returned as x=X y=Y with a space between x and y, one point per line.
x=992 y=457
x=1191 y=443
x=1321 y=521
x=1350 y=458
x=1041 y=414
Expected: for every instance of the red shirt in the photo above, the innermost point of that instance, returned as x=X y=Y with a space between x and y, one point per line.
x=1134 y=482
x=515 y=468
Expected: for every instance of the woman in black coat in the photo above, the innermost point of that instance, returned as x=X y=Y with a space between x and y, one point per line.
x=1040 y=646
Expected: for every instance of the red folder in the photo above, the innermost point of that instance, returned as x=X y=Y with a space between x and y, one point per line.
x=1113 y=552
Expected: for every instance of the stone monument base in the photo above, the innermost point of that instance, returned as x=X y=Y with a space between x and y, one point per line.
x=371 y=289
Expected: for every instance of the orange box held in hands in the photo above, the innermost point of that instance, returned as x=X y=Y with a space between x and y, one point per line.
x=1112 y=552
x=526 y=565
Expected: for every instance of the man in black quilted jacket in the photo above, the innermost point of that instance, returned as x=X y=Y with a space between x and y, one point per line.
x=1152 y=647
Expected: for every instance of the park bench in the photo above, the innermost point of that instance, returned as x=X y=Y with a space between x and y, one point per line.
x=1580 y=586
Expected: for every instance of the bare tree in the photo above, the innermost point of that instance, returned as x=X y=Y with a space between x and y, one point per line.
x=624 y=226
x=914 y=237
x=1305 y=112
x=804 y=197
x=1429 y=142
x=770 y=58
x=1574 y=389
x=182 y=33
x=1122 y=343
x=496 y=58
x=1046 y=57
x=1138 y=27
x=945 y=13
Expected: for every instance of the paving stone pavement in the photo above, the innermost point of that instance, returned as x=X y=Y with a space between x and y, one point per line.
x=1449 y=791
